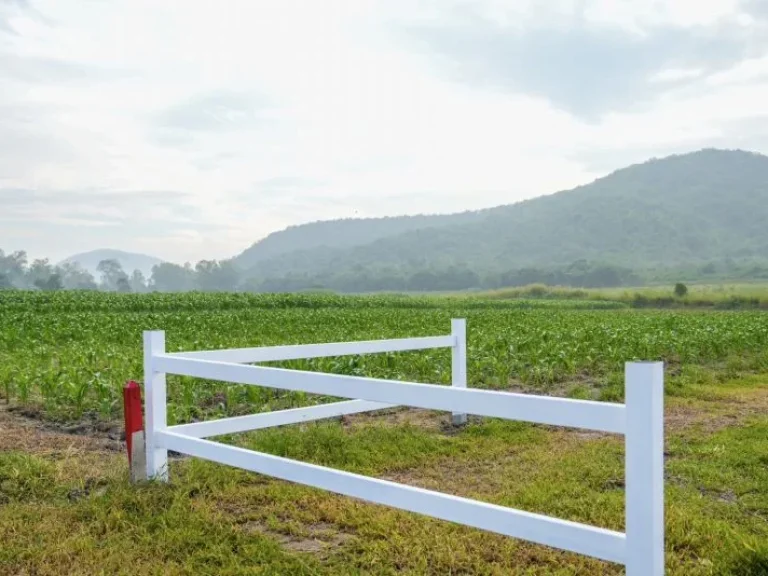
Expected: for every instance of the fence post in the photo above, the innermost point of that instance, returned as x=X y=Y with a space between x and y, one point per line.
x=154 y=389
x=459 y=363
x=644 y=469
x=134 y=431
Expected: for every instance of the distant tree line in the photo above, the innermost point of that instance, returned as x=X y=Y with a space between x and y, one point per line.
x=16 y=272
x=224 y=276
x=580 y=274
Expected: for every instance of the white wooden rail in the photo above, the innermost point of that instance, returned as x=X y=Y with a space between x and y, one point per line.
x=640 y=420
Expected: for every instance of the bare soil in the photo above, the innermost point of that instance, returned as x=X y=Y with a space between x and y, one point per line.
x=321 y=540
x=713 y=416
x=24 y=430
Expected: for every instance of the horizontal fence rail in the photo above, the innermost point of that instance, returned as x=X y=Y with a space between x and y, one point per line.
x=307 y=351
x=586 y=414
x=640 y=420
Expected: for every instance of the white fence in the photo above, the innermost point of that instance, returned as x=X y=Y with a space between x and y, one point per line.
x=640 y=420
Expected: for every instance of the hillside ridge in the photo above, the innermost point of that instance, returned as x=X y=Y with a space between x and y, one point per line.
x=681 y=209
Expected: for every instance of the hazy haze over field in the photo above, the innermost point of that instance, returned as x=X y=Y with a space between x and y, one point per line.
x=190 y=129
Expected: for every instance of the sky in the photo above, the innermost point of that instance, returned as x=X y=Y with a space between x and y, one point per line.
x=190 y=129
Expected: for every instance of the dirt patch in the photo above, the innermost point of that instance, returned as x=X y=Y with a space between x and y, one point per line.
x=681 y=418
x=92 y=487
x=20 y=430
x=560 y=389
x=396 y=417
x=726 y=496
x=714 y=415
x=588 y=434
x=321 y=537
x=459 y=478
x=87 y=425
x=471 y=477
x=299 y=531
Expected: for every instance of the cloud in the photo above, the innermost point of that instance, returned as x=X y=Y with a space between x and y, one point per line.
x=101 y=207
x=585 y=67
x=133 y=214
x=279 y=185
x=756 y=8
x=746 y=134
x=218 y=111
x=9 y=9
x=195 y=132
x=11 y=197
x=26 y=145
x=750 y=134
x=47 y=70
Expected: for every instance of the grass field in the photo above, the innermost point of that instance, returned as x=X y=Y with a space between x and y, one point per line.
x=724 y=296
x=66 y=506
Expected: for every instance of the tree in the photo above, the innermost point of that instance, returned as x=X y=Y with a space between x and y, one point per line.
x=123 y=285
x=5 y=282
x=424 y=281
x=13 y=267
x=39 y=272
x=112 y=275
x=681 y=289
x=74 y=277
x=50 y=284
x=167 y=277
x=216 y=276
x=603 y=277
x=138 y=283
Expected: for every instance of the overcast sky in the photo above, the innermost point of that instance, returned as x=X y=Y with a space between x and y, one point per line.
x=190 y=129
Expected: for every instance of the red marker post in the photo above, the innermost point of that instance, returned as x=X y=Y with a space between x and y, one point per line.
x=134 y=430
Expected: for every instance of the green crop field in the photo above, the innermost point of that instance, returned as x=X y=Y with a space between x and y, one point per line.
x=71 y=353
x=66 y=506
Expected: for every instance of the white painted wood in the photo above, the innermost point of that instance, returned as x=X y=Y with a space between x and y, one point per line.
x=459 y=363
x=272 y=419
x=589 y=540
x=155 y=405
x=644 y=440
x=138 y=457
x=590 y=415
x=276 y=353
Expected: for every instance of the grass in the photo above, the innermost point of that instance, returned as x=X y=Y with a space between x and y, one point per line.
x=66 y=506
x=74 y=513
x=717 y=296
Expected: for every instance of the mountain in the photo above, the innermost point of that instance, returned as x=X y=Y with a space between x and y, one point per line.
x=128 y=260
x=703 y=206
x=342 y=234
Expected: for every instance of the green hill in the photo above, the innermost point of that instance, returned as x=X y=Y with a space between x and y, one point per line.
x=684 y=210
x=347 y=233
